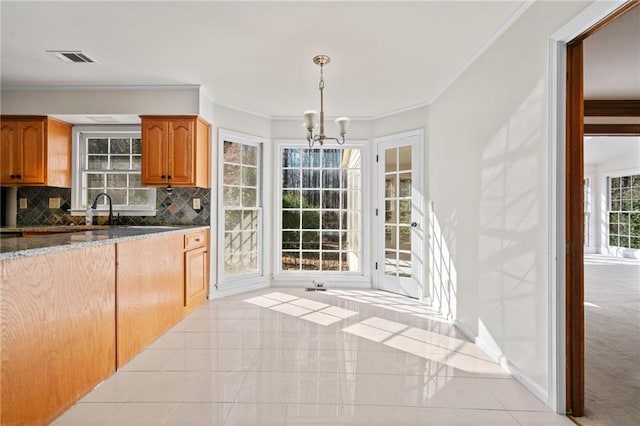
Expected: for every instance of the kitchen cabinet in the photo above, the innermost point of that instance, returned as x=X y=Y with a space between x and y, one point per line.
x=57 y=331
x=196 y=272
x=150 y=289
x=73 y=314
x=175 y=150
x=35 y=151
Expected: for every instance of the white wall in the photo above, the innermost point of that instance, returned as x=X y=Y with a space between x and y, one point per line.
x=489 y=183
x=106 y=100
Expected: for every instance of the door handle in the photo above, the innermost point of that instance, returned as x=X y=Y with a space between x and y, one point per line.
x=414 y=224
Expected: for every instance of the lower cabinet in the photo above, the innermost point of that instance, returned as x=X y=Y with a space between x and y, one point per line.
x=57 y=331
x=150 y=292
x=196 y=273
x=69 y=319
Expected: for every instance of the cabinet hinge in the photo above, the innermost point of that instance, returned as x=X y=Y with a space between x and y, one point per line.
x=567 y=249
x=376 y=212
x=376 y=265
x=377 y=158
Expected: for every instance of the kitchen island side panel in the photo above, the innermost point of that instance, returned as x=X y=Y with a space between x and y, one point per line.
x=57 y=315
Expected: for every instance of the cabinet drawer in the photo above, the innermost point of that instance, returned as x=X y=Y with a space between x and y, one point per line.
x=195 y=240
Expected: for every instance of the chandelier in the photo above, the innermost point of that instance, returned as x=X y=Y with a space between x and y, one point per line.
x=311 y=117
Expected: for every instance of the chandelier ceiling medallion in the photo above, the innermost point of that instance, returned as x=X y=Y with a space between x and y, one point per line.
x=311 y=117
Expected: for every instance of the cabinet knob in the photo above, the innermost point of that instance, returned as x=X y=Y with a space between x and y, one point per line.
x=169 y=177
x=163 y=177
x=18 y=176
x=197 y=240
x=12 y=176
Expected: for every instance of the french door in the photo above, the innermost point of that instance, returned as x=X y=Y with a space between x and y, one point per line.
x=400 y=216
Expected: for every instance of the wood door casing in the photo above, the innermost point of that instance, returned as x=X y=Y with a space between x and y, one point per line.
x=574 y=231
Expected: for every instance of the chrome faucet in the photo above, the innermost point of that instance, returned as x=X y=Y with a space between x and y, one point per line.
x=95 y=204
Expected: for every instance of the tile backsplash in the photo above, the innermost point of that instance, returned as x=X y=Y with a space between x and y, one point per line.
x=172 y=209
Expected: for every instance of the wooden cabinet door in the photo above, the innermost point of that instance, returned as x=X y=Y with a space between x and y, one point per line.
x=8 y=152
x=32 y=141
x=195 y=289
x=155 y=150
x=181 y=148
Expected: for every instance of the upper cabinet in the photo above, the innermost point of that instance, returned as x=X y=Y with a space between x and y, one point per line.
x=35 y=151
x=175 y=150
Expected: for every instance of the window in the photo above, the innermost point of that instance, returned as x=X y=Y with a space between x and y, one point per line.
x=110 y=162
x=624 y=211
x=242 y=208
x=321 y=209
x=587 y=212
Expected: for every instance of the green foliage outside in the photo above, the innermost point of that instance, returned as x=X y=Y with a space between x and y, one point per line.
x=291 y=220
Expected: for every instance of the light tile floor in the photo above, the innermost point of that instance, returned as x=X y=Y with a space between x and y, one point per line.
x=291 y=357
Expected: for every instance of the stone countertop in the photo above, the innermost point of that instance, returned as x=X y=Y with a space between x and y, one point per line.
x=14 y=247
x=52 y=228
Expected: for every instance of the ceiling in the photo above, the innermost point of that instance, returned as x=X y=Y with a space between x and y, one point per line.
x=612 y=59
x=256 y=56
x=598 y=149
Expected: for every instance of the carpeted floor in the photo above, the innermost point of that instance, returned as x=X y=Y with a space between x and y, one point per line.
x=612 y=341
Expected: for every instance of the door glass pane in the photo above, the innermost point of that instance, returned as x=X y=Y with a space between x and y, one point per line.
x=398 y=210
x=390 y=263
x=405 y=238
x=390 y=186
x=391 y=160
x=405 y=184
x=405 y=211
x=390 y=237
x=390 y=213
x=404 y=265
x=404 y=153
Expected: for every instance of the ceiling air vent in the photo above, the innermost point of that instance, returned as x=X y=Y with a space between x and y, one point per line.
x=75 y=56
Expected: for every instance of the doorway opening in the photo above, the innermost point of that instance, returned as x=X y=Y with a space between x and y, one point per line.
x=576 y=128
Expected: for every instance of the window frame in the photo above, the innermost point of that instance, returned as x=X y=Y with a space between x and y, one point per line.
x=241 y=138
x=609 y=178
x=284 y=275
x=588 y=212
x=79 y=137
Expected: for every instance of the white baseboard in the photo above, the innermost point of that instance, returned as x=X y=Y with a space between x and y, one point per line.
x=233 y=290
x=534 y=388
x=328 y=284
x=501 y=359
